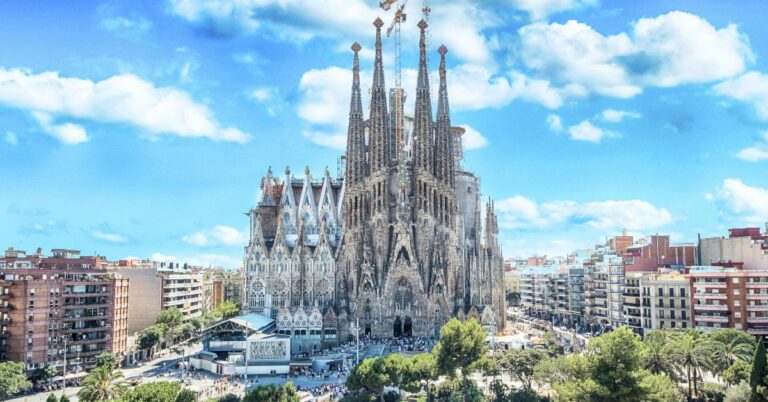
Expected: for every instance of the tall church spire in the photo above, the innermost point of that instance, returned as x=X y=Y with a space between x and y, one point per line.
x=444 y=165
x=379 y=120
x=356 y=164
x=422 y=125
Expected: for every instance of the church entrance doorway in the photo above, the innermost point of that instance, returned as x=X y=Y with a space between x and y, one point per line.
x=398 y=328
x=408 y=327
x=367 y=329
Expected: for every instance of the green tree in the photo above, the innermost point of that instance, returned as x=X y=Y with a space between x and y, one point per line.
x=581 y=391
x=728 y=335
x=170 y=320
x=395 y=367
x=660 y=388
x=227 y=309
x=758 y=372
x=64 y=398
x=273 y=393
x=149 y=337
x=561 y=369
x=738 y=372
x=230 y=398
x=659 y=360
x=102 y=384
x=614 y=360
x=13 y=379
x=691 y=355
x=160 y=391
x=730 y=351
x=520 y=364
x=369 y=376
x=52 y=398
x=186 y=395
x=107 y=359
x=461 y=345
x=422 y=366
x=187 y=329
x=738 y=393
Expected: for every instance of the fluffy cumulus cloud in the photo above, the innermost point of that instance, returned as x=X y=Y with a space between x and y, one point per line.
x=750 y=88
x=460 y=23
x=741 y=202
x=586 y=131
x=555 y=123
x=520 y=212
x=472 y=139
x=757 y=152
x=219 y=235
x=541 y=9
x=109 y=237
x=669 y=50
x=126 y=27
x=123 y=99
x=616 y=116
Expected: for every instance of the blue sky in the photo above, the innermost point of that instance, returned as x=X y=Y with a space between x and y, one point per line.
x=142 y=128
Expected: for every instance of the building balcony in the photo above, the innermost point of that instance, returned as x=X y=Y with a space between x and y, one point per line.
x=714 y=285
x=719 y=296
x=711 y=307
x=758 y=331
x=84 y=317
x=704 y=318
x=756 y=285
x=758 y=308
x=6 y=295
x=757 y=319
x=757 y=296
x=106 y=328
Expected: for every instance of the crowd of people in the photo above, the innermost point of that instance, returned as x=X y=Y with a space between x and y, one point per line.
x=335 y=391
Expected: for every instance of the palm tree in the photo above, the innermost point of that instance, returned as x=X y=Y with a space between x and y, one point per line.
x=726 y=353
x=659 y=360
x=103 y=384
x=691 y=355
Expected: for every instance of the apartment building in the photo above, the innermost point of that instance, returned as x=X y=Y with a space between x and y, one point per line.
x=60 y=310
x=156 y=286
x=648 y=254
x=730 y=297
x=666 y=299
x=745 y=247
x=632 y=303
x=220 y=285
x=553 y=293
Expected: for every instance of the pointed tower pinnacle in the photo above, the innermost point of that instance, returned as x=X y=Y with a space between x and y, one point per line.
x=356 y=163
x=379 y=118
x=422 y=126
x=444 y=164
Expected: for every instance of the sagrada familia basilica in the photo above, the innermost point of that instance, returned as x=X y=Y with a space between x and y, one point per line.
x=396 y=247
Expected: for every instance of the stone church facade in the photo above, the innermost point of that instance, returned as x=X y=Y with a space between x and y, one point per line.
x=396 y=247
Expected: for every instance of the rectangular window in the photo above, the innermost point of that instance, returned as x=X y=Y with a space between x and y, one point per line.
x=738 y=325
x=736 y=291
x=737 y=303
x=682 y=292
x=672 y=303
x=735 y=280
x=661 y=292
x=737 y=314
x=682 y=303
x=671 y=292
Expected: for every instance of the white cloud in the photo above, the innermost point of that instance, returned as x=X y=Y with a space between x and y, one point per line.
x=750 y=88
x=11 y=138
x=554 y=123
x=672 y=49
x=126 y=27
x=472 y=139
x=519 y=212
x=219 y=235
x=753 y=154
x=122 y=99
x=459 y=23
x=586 y=131
x=68 y=133
x=109 y=237
x=616 y=116
x=163 y=258
x=541 y=9
x=327 y=139
x=757 y=152
x=739 y=201
x=263 y=94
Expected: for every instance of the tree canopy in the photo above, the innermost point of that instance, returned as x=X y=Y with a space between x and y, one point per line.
x=13 y=379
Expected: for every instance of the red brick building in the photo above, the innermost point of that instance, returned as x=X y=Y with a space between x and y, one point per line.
x=60 y=308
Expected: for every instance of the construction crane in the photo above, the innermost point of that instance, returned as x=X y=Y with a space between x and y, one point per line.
x=397 y=94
